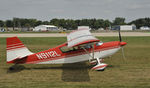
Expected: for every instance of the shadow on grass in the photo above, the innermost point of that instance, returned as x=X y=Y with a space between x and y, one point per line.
x=71 y=72
x=15 y=68
x=113 y=66
x=77 y=72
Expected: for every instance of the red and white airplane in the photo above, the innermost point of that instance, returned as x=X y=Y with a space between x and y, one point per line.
x=80 y=46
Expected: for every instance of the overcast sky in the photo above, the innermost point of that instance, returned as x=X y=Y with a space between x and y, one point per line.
x=74 y=9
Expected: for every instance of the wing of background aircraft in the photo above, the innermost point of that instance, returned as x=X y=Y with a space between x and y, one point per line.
x=80 y=37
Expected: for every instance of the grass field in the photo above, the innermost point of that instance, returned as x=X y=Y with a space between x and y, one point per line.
x=132 y=73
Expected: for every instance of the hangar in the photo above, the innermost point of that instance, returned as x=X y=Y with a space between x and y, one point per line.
x=124 y=27
x=45 y=28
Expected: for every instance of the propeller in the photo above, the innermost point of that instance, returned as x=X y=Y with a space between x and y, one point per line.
x=120 y=38
x=122 y=49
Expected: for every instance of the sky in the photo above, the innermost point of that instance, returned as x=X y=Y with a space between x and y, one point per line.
x=74 y=9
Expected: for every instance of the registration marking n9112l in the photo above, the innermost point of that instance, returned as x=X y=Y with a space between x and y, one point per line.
x=46 y=55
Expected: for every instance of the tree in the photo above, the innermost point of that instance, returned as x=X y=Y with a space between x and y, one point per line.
x=38 y=23
x=9 y=23
x=119 y=21
x=45 y=22
x=141 y=22
x=91 y=23
x=1 y=23
x=107 y=24
x=15 y=22
x=27 y=25
x=62 y=23
x=21 y=22
x=70 y=24
x=55 y=22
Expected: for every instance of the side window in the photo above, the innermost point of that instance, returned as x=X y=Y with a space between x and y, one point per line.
x=65 y=49
x=86 y=46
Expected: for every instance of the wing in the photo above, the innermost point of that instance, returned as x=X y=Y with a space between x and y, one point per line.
x=79 y=37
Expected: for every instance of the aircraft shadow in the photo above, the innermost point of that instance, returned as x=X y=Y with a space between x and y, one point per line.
x=19 y=67
x=77 y=72
x=15 y=68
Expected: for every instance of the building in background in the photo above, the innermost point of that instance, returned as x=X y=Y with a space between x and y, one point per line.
x=45 y=28
x=124 y=27
x=144 y=28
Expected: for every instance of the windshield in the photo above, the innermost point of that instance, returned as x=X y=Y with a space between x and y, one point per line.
x=99 y=43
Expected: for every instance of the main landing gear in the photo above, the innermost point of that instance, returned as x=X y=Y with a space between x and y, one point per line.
x=99 y=65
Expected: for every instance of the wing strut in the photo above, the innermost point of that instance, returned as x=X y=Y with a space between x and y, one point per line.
x=92 y=56
x=99 y=66
x=93 y=51
x=87 y=53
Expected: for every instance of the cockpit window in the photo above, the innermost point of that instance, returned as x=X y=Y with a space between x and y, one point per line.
x=66 y=49
x=86 y=46
x=99 y=43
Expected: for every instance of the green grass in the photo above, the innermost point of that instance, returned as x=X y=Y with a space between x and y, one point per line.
x=132 y=73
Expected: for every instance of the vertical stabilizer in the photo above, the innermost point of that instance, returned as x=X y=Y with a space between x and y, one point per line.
x=16 y=49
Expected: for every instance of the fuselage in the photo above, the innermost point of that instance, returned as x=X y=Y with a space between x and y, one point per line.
x=63 y=54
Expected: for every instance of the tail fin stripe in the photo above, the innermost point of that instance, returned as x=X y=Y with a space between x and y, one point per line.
x=15 y=47
x=17 y=44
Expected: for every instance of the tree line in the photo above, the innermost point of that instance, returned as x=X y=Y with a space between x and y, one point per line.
x=73 y=24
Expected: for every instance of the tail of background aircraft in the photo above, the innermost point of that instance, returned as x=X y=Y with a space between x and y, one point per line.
x=16 y=49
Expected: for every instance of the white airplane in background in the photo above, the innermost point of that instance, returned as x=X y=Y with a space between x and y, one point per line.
x=80 y=46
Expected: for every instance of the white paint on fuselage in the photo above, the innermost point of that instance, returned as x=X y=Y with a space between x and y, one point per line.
x=84 y=57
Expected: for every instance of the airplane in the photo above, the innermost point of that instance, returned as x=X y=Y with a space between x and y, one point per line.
x=81 y=46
